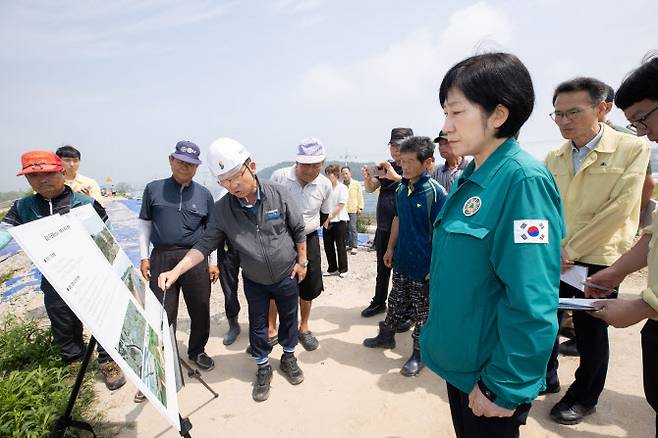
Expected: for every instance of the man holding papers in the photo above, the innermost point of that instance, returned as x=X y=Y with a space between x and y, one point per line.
x=599 y=173
x=638 y=98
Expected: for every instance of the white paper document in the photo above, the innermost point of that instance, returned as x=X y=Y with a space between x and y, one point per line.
x=579 y=303
x=575 y=277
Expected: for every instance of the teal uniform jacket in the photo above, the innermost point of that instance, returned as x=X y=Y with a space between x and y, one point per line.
x=494 y=278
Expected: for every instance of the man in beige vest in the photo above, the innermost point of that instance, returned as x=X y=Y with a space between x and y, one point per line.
x=599 y=173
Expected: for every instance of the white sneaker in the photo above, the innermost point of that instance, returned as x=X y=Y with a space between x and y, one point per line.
x=330 y=274
x=354 y=251
x=343 y=275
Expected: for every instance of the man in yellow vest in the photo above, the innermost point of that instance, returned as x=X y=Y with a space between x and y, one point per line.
x=599 y=173
x=70 y=156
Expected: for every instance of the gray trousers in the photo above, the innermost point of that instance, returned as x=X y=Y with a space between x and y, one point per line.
x=352 y=235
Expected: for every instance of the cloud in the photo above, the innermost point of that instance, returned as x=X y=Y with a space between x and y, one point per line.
x=409 y=68
x=299 y=6
x=308 y=12
x=98 y=28
x=480 y=26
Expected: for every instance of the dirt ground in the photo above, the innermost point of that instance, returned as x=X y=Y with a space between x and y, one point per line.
x=350 y=390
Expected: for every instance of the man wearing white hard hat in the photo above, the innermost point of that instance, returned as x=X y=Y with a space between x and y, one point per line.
x=264 y=225
x=313 y=191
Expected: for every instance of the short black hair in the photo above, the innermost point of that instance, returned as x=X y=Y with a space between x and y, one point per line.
x=68 y=151
x=610 y=94
x=493 y=79
x=596 y=89
x=640 y=84
x=423 y=147
x=345 y=167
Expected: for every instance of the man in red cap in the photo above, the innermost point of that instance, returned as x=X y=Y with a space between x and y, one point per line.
x=44 y=171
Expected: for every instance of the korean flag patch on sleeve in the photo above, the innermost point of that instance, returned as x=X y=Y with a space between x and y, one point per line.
x=531 y=231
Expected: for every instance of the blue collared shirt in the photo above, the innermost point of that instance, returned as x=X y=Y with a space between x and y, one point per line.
x=179 y=214
x=578 y=155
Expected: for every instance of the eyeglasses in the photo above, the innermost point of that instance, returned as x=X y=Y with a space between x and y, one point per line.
x=226 y=182
x=569 y=115
x=641 y=122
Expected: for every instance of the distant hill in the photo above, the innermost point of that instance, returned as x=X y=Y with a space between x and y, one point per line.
x=354 y=166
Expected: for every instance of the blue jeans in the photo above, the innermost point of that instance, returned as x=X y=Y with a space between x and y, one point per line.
x=286 y=295
x=352 y=235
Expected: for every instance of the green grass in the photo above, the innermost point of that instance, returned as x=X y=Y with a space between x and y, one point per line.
x=7 y=275
x=363 y=221
x=34 y=382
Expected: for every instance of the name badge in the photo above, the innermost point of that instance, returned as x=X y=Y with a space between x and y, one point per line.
x=272 y=215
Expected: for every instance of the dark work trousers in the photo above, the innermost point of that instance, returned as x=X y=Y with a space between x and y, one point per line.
x=650 y=364
x=334 y=243
x=285 y=294
x=592 y=343
x=383 y=273
x=196 y=292
x=468 y=425
x=229 y=267
x=312 y=286
x=407 y=297
x=66 y=327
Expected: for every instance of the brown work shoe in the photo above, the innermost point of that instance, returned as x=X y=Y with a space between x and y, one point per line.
x=112 y=375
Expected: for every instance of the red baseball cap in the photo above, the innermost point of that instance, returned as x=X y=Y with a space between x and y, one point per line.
x=40 y=161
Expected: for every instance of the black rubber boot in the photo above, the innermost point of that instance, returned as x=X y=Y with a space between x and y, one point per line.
x=384 y=339
x=413 y=366
x=233 y=331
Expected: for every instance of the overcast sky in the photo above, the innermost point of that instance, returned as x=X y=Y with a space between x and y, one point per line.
x=123 y=81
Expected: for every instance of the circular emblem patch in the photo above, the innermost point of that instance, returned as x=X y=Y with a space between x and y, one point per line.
x=471 y=206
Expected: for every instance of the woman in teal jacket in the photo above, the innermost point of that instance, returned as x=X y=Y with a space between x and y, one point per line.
x=495 y=254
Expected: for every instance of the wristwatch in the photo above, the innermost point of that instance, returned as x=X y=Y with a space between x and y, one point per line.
x=486 y=391
x=303 y=265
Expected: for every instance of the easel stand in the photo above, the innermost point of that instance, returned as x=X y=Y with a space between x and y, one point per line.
x=195 y=374
x=66 y=421
x=185 y=427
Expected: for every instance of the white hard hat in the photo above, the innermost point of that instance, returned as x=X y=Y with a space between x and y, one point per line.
x=224 y=155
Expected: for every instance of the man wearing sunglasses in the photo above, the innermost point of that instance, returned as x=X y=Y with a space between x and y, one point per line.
x=599 y=173
x=175 y=212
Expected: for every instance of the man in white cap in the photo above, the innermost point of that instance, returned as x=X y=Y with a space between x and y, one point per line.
x=264 y=225
x=313 y=190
